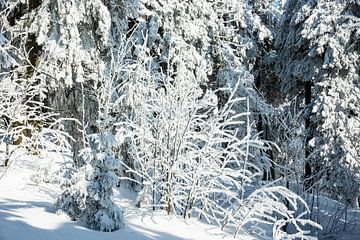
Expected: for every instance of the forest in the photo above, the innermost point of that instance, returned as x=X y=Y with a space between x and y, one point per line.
x=242 y=114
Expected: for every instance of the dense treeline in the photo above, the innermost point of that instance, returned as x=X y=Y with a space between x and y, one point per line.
x=231 y=111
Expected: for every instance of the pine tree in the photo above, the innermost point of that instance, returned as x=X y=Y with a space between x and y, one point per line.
x=22 y=90
x=90 y=199
x=318 y=64
x=65 y=43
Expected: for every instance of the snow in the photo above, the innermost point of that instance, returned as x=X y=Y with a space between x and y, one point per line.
x=338 y=221
x=26 y=212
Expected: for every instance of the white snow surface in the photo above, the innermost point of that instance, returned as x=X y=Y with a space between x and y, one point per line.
x=27 y=213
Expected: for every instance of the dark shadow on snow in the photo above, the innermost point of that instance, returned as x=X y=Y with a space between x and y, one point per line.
x=14 y=227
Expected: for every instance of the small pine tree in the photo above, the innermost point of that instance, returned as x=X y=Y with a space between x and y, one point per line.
x=89 y=200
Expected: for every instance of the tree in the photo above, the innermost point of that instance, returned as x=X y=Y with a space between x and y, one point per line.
x=66 y=44
x=90 y=199
x=193 y=157
x=168 y=89
x=26 y=121
x=318 y=64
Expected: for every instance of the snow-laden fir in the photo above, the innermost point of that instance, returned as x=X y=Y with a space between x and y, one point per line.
x=242 y=114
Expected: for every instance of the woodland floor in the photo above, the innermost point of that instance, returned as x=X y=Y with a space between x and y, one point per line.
x=27 y=213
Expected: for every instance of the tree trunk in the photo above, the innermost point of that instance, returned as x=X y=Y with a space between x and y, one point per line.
x=70 y=103
x=308 y=177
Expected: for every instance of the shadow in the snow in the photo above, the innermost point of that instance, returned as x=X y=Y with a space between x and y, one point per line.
x=20 y=220
x=143 y=213
x=126 y=195
x=10 y=205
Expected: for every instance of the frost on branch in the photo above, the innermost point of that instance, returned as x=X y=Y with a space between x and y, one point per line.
x=193 y=158
x=276 y=207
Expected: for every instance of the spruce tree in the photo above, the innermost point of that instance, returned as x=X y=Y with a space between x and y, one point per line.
x=318 y=64
x=62 y=45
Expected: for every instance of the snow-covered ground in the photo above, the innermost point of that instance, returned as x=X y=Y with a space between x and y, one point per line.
x=26 y=213
x=338 y=221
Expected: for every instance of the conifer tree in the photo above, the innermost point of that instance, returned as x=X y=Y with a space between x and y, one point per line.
x=63 y=46
x=90 y=199
x=318 y=64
